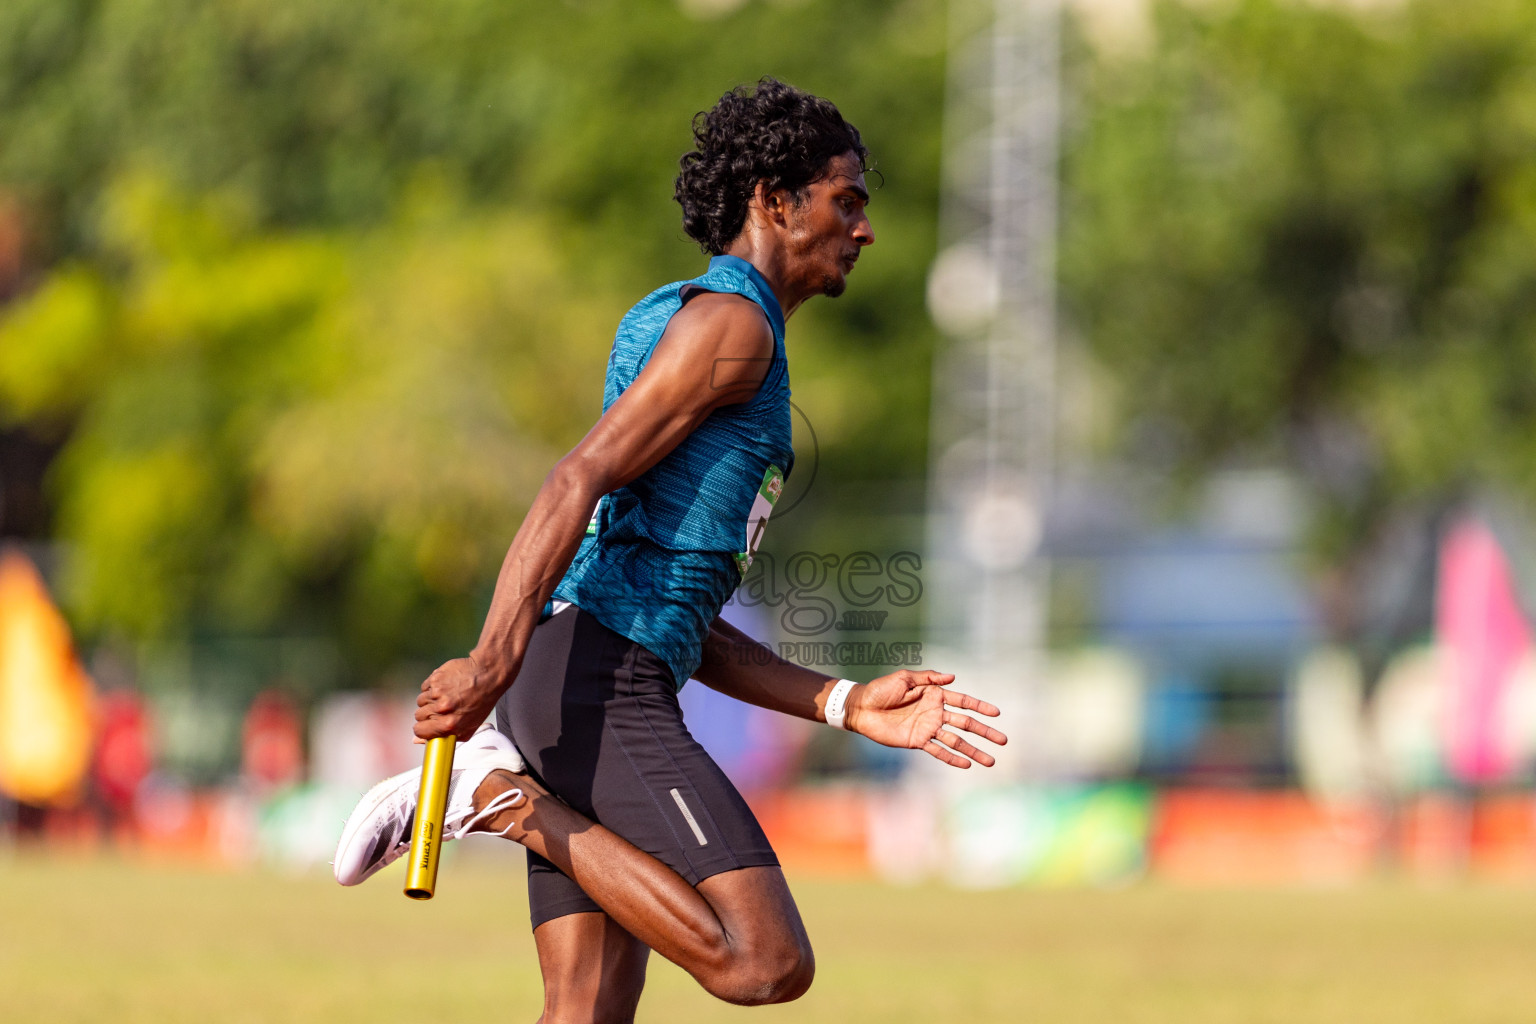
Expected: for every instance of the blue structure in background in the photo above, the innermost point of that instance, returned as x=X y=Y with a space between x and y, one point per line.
x=1219 y=623
x=1216 y=610
x=1191 y=597
x=1178 y=713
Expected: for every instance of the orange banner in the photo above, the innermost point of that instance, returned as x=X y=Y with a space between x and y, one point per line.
x=45 y=695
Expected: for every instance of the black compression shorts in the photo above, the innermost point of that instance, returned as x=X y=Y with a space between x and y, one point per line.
x=596 y=715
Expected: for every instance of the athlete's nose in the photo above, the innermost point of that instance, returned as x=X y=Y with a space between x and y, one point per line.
x=863 y=233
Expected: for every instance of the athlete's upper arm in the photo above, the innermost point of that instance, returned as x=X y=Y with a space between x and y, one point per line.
x=716 y=351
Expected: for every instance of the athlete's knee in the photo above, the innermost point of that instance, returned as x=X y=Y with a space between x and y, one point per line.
x=755 y=978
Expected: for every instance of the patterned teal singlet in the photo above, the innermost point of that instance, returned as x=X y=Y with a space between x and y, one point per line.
x=666 y=551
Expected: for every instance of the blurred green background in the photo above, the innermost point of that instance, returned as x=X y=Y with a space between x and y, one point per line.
x=302 y=299
x=310 y=296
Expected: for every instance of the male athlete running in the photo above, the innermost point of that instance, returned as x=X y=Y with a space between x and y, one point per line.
x=636 y=840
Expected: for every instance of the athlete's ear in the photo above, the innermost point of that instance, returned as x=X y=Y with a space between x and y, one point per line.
x=773 y=204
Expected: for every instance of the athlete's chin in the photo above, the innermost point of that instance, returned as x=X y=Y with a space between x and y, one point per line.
x=833 y=285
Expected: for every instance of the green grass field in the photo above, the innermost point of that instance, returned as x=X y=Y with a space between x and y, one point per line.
x=106 y=940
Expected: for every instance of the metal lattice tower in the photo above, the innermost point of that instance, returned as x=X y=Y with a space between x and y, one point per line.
x=992 y=291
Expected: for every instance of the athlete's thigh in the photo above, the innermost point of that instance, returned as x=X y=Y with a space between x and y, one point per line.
x=756 y=909
x=597 y=716
x=593 y=969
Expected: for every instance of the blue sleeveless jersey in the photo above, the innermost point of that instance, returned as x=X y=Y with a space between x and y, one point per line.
x=666 y=551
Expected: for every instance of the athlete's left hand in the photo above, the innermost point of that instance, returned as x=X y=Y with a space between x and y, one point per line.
x=912 y=709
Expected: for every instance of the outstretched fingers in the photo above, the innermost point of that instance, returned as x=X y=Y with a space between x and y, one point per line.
x=970 y=724
x=965 y=701
x=965 y=749
x=930 y=688
x=953 y=698
x=944 y=754
x=950 y=748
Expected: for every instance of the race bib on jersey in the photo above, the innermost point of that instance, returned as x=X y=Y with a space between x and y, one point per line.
x=757 y=520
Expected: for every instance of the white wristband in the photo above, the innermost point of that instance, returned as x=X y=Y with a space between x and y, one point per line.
x=837 y=703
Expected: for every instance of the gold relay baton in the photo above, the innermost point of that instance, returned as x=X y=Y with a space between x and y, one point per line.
x=427 y=830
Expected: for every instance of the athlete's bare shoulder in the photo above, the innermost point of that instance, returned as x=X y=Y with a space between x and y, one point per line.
x=732 y=319
x=731 y=333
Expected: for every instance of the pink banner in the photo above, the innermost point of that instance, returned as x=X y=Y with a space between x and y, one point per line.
x=1484 y=635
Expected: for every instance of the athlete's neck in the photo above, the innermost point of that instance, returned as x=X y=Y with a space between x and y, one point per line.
x=771 y=262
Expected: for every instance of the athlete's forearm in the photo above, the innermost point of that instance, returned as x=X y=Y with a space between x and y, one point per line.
x=738 y=666
x=536 y=560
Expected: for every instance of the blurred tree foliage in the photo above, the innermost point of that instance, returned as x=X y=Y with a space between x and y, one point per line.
x=319 y=290
x=1307 y=232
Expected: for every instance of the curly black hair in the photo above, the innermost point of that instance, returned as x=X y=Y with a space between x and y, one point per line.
x=773 y=133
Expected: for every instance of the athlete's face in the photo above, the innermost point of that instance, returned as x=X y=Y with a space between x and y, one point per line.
x=828 y=227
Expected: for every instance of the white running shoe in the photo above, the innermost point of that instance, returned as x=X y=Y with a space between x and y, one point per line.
x=378 y=831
